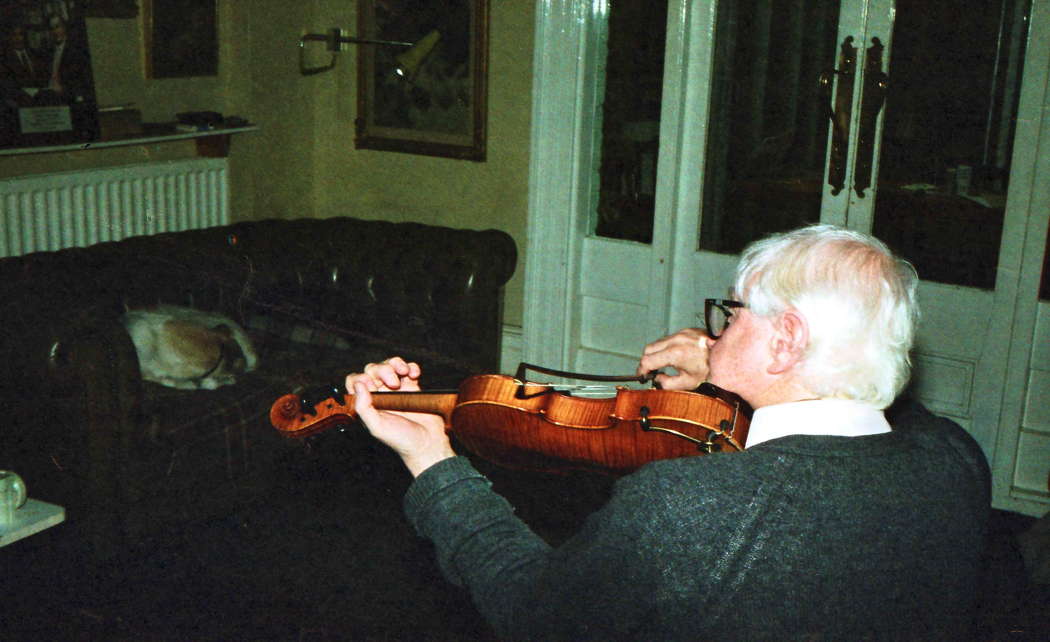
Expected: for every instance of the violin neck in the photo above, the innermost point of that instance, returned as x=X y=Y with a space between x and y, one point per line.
x=434 y=403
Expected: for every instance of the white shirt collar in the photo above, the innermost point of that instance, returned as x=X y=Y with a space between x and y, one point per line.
x=839 y=417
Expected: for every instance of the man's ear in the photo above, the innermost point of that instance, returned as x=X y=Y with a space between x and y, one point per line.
x=789 y=342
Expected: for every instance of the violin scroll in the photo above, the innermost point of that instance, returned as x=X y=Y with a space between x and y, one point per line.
x=294 y=416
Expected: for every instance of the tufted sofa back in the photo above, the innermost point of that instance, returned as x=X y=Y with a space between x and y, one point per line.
x=409 y=283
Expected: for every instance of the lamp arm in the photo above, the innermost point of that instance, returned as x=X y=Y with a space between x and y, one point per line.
x=333 y=39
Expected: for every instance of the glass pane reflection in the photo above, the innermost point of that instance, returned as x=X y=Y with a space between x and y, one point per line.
x=631 y=120
x=768 y=127
x=955 y=77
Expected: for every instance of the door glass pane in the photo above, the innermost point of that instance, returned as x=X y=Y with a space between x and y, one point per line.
x=954 y=80
x=768 y=127
x=631 y=120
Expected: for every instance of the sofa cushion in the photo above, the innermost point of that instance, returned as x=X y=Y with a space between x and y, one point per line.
x=195 y=442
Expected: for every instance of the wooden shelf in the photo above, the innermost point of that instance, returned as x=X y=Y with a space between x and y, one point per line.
x=211 y=143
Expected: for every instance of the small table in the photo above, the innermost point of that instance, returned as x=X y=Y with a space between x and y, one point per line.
x=33 y=517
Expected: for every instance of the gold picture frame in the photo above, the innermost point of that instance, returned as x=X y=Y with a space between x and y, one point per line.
x=430 y=98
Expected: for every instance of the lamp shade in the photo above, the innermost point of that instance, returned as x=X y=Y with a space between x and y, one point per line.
x=408 y=63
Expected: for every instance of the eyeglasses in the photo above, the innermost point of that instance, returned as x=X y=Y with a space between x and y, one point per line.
x=718 y=314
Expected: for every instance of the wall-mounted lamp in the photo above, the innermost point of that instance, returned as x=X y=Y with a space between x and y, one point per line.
x=334 y=40
x=408 y=62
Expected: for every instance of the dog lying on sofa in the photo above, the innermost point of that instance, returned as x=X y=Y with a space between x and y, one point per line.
x=128 y=457
x=189 y=349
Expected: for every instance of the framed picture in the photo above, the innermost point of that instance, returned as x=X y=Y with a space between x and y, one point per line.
x=428 y=96
x=182 y=38
x=47 y=92
x=111 y=8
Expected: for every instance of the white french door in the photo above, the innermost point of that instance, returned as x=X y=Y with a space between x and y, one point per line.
x=911 y=120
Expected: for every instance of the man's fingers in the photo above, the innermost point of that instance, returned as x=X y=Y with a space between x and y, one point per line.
x=393 y=374
x=659 y=345
x=364 y=379
x=363 y=404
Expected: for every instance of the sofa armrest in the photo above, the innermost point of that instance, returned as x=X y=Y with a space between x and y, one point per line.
x=72 y=389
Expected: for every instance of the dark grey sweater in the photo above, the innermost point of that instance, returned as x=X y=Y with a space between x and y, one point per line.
x=799 y=537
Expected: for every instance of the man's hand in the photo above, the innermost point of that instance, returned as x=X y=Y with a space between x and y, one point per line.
x=685 y=351
x=418 y=438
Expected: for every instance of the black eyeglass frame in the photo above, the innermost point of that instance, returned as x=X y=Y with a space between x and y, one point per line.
x=725 y=306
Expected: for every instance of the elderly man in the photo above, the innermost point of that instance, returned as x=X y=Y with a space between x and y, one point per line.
x=831 y=524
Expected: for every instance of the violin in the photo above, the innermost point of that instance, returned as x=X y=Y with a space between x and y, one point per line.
x=535 y=426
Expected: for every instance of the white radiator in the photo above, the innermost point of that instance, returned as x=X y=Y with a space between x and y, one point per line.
x=54 y=211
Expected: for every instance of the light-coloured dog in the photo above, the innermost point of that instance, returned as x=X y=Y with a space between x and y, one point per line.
x=189 y=349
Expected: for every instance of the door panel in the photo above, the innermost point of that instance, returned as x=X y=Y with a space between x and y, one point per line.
x=945 y=384
x=1031 y=475
x=945 y=155
x=959 y=356
x=1021 y=470
x=1031 y=478
x=609 y=271
x=615 y=328
x=614 y=291
x=622 y=283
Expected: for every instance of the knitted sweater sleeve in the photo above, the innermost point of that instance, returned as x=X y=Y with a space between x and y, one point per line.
x=592 y=586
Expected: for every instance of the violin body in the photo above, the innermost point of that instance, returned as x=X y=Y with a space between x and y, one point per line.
x=532 y=426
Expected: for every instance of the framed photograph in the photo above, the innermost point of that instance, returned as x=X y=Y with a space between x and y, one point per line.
x=427 y=96
x=182 y=38
x=47 y=91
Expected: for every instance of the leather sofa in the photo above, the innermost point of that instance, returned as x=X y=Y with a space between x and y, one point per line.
x=319 y=297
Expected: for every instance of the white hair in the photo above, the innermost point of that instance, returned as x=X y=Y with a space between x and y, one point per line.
x=858 y=299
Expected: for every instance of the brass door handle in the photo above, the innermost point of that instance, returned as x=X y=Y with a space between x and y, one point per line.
x=874 y=96
x=840 y=112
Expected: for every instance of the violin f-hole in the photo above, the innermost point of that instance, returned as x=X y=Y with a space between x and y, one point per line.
x=704 y=445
